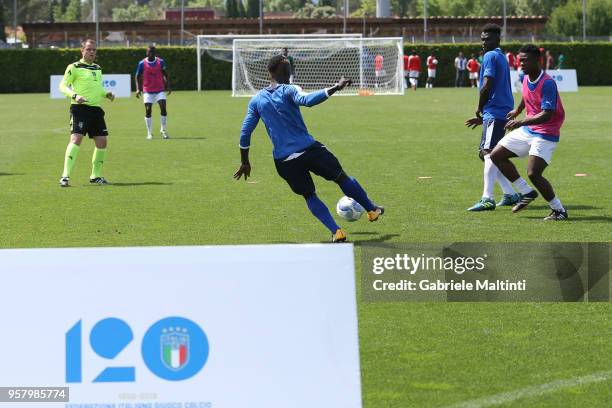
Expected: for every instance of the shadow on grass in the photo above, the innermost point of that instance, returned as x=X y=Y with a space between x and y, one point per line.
x=567 y=207
x=378 y=238
x=11 y=174
x=188 y=138
x=144 y=183
x=572 y=218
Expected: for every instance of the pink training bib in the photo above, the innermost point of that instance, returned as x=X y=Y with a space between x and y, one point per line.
x=153 y=80
x=533 y=106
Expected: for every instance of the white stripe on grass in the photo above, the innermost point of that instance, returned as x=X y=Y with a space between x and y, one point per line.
x=534 y=391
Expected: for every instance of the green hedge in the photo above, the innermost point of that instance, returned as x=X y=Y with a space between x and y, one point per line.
x=28 y=70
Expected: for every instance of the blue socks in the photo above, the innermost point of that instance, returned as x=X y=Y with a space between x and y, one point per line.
x=351 y=188
x=319 y=210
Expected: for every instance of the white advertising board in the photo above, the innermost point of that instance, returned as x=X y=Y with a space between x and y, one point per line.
x=119 y=84
x=565 y=78
x=270 y=326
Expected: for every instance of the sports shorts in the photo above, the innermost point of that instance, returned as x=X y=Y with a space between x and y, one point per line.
x=153 y=97
x=87 y=120
x=492 y=132
x=473 y=75
x=316 y=159
x=431 y=73
x=523 y=143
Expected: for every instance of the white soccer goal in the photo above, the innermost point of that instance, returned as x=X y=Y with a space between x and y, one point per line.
x=374 y=64
x=220 y=47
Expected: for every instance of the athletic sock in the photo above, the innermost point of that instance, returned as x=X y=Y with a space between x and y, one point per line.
x=522 y=186
x=97 y=161
x=70 y=158
x=504 y=183
x=555 y=204
x=163 y=123
x=319 y=210
x=351 y=187
x=149 y=123
x=490 y=173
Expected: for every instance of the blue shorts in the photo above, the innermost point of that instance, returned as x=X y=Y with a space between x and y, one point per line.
x=492 y=132
x=316 y=159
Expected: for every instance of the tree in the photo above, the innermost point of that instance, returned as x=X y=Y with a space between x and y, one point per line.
x=567 y=20
x=2 y=23
x=311 y=11
x=367 y=8
x=231 y=9
x=136 y=13
x=241 y=11
x=252 y=9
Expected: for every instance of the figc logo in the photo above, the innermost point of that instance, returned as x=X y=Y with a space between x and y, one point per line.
x=173 y=348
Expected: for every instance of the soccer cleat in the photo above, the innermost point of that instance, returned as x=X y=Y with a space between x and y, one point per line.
x=98 y=180
x=65 y=182
x=525 y=200
x=557 y=215
x=149 y=136
x=375 y=213
x=509 y=199
x=339 y=236
x=485 y=204
x=165 y=134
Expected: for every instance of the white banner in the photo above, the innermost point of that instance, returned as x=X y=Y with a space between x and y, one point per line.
x=119 y=84
x=565 y=79
x=270 y=326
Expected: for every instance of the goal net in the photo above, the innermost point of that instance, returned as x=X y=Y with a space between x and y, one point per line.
x=220 y=47
x=374 y=64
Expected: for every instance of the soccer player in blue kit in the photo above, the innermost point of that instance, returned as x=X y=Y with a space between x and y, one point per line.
x=494 y=103
x=296 y=153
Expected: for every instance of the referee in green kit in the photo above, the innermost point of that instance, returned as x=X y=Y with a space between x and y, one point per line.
x=82 y=83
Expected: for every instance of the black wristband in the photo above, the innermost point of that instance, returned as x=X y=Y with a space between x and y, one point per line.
x=74 y=96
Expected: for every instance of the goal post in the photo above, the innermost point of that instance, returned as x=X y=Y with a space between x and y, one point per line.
x=220 y=46
x=374 y=64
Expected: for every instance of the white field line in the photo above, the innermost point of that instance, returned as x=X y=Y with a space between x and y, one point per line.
x=536 y=390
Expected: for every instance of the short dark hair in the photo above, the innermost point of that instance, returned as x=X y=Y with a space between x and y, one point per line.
x=88 y=40
x=531 y=49
x=151 y=47
x=492 y=28
x=275 y=62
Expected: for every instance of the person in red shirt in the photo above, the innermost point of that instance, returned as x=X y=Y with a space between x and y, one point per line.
x=432 y=65
x=550 y=61
x=414 y=69
x=378 y=68
x=473 y=67
x=406 y=70
x=512 y=60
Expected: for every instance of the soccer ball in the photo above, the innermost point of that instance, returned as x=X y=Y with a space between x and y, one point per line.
x=349 y=209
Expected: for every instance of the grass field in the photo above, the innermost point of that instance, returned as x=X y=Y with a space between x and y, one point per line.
x=181 y=192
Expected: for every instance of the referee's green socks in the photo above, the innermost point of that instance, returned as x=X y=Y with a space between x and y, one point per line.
x=71 y=154
x=97 y=160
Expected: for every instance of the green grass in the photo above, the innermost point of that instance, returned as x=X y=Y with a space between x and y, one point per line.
x=181 y=192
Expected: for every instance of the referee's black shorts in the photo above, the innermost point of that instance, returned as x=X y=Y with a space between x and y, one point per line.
x=87 y=120
x=317 y=159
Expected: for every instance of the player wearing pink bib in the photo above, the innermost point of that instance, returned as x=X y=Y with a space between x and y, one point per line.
x=536 y=136
x=153 y=79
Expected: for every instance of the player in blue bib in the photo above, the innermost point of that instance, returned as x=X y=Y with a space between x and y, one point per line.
x=296 y=153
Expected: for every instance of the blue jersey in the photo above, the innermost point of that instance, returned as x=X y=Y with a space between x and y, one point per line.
x=279 y=108
x=495 y=66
